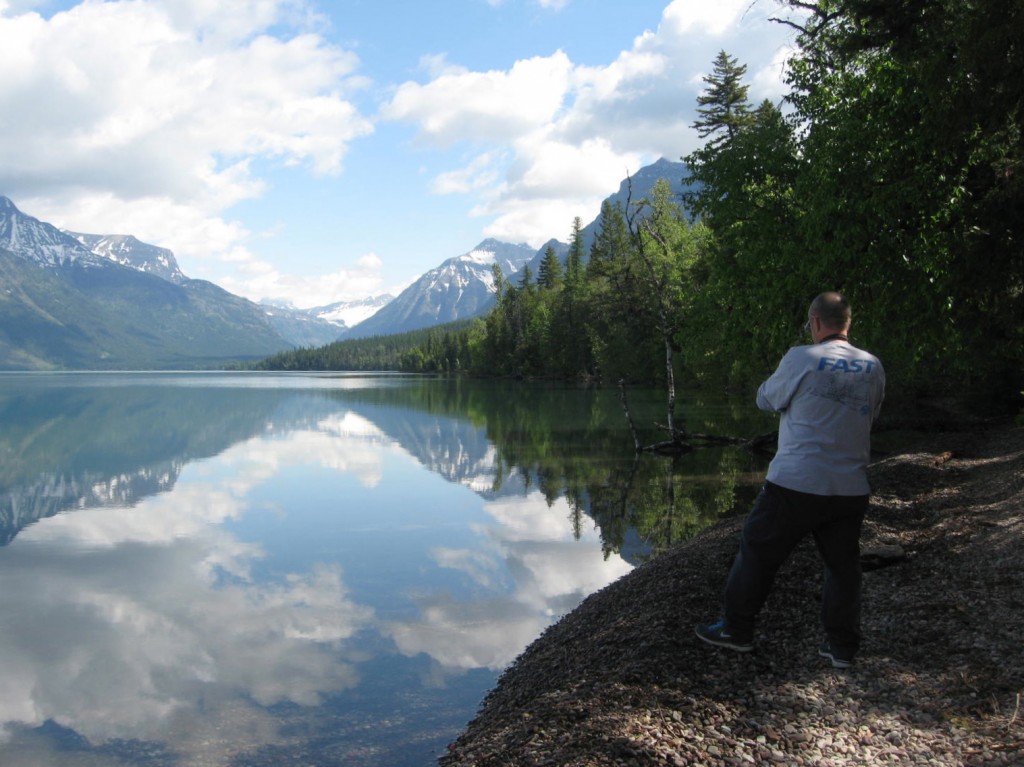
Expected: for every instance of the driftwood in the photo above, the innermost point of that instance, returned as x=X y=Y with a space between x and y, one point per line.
x=684 y=442
x=629 y=418
x=677 y=443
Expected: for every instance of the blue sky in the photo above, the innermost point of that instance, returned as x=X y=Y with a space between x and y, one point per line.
x=323 y=151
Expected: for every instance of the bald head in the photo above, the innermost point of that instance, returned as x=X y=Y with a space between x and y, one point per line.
x=833 y=310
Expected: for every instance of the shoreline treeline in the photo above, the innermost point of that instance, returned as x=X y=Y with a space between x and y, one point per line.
x=893 y=171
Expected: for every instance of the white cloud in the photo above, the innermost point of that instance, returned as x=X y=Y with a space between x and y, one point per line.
x=683 y=16
x=485 y=106
x=19 y=6
x=262 y=279
x=480 y=173
x=573 y=131
x=551 y=183
x=146 y=117
x=147 y=106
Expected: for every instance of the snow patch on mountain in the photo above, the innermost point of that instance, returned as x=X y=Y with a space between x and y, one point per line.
x=482 y=257
x=126 y=250
x=37 y=241
x=460 y=288
x=351 y=313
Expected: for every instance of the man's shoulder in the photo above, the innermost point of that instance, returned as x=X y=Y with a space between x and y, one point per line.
x=831 y=357
x=864 y=354
x=800 y=351
x=803 y=352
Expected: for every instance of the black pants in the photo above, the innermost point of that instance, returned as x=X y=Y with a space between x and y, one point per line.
x=780 y=519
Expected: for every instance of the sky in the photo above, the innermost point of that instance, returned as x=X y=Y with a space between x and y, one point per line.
x=311 y=152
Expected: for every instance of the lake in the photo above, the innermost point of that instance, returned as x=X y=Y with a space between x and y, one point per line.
x=299 y=569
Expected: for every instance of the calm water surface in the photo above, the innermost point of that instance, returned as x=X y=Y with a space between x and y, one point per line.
x=258 y=569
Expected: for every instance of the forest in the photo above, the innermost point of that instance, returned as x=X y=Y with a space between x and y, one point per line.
x=892 y=172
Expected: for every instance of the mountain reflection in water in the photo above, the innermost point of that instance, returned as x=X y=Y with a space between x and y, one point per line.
x=238 y=569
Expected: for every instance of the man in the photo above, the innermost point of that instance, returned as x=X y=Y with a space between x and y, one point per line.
x=828 y=393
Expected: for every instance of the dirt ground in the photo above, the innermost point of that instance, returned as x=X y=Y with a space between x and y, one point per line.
x=622 y=680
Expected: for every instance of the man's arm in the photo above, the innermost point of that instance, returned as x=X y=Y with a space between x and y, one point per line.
x=775 y=394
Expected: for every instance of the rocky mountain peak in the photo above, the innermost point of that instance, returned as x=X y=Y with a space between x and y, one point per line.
x=37 y=241
x=128 y=251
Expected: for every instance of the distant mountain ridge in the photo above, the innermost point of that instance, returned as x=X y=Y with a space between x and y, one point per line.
x=351 y=313
x=460 y=287
x=126 y=250
x=40 y=243
x=463 y=287
x=321 y=325
x=102 y=301
x=63 y=306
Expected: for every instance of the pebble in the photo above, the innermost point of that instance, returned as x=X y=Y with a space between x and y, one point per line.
x=936 y=702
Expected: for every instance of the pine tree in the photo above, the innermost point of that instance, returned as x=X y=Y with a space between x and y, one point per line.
x=611 y=242
x=549 y=275
x=569 y=335
x=723 y=106
x=526 y=281
x=574 y=263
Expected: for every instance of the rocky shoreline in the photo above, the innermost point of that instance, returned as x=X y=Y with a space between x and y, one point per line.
x=622 y=680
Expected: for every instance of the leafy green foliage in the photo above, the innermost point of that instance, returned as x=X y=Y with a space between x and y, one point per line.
x=624 y=346
x=896 y=178
x=911 y=180
x=893 y=180
x=755 y=281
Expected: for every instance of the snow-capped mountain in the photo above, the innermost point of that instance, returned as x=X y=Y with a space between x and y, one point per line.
x=126 y=250
x=463 y=287
x=348 y=314
x=299 y=326
x=459 y=288
x=107 y=300
x=67 y=307
x=40 y=243
x=320 y=325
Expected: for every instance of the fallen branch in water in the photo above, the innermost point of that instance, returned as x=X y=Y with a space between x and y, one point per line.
x=681 y=442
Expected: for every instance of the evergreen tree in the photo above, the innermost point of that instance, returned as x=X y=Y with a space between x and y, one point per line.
x=723 y=107
x=526 y=281
x=549 y=275
x=617 y=333
x=574 y=262
x=611 y=243
x=758 y=267
x=575 y=343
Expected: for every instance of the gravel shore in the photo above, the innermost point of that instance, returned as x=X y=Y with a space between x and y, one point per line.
x=622 y=680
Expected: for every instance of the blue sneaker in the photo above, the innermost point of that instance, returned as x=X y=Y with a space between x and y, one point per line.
x=839 y=659
x=718 y=635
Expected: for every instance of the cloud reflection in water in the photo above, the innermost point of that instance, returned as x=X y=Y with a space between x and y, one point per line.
x=161 y=620
x=533 y=544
